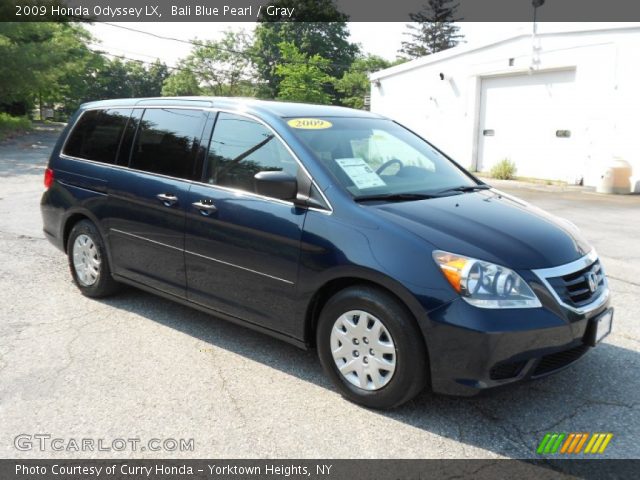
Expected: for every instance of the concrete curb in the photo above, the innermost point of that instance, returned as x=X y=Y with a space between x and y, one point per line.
x=539 y=187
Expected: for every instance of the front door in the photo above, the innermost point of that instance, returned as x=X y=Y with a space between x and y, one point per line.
x=242 y=249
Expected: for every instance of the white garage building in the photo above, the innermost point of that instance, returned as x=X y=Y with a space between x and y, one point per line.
x=561 y=105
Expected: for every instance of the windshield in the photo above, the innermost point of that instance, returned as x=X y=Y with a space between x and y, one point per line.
x=377 y=157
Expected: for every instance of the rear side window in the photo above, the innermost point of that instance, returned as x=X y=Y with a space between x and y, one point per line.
x=96 y=136
x=240 y=148
x=168 y=141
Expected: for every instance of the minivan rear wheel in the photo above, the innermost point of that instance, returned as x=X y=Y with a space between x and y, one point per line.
x=88 y=261
x=371 y=347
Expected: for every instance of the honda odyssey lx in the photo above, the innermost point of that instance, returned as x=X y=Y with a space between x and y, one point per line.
x=329 y=228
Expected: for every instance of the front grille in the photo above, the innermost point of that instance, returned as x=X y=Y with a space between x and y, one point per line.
x=581 y=287
x=503 y=371
x=558 y=360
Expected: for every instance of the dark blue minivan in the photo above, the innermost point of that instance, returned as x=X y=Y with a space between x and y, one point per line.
x=330 y=228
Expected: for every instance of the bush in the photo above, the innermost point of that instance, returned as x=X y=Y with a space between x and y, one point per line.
x=10 y=124
x=505 y=169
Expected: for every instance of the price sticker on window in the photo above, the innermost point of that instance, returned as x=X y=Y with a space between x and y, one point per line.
x=360 y=173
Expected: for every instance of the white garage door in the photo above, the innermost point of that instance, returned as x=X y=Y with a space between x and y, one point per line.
x=530 y=119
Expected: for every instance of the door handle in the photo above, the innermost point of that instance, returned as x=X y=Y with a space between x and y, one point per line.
x=167 y=199
x=206 y=207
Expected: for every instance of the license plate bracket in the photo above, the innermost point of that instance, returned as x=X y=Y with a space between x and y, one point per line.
x=600 y=327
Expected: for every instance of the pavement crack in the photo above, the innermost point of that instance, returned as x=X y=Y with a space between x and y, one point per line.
x=69 y=321
x=227 y=391
x=562 y=419
x=3 y=363
x=460 y=438
x=576 y=410
x=586 y=400
x=519 y=442
x=628 y=282
x=627 y=337
x=76 y=336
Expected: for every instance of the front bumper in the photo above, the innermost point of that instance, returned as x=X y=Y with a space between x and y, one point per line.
x=473 y=349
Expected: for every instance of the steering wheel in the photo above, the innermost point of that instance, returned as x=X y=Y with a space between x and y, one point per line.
x=387 y=164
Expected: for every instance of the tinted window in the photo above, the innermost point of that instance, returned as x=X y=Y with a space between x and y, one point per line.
x=240 y=148
x=124 y=153
x=97 y=135
x=168 y=141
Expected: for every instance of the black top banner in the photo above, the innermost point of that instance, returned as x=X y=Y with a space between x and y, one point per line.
x=314 y=10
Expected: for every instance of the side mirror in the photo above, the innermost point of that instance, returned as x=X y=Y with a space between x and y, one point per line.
x=280 y=185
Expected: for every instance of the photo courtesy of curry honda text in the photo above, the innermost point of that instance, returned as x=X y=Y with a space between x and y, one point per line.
x=329 y=228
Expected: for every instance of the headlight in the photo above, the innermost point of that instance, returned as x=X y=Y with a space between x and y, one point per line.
x=484 y=284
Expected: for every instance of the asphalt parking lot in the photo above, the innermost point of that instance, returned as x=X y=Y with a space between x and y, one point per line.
x=138 y=366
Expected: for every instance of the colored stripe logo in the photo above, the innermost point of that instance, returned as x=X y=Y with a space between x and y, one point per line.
x=574 y=443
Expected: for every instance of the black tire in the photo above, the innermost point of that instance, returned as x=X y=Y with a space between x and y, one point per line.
x=411 y=368
x=104 y=284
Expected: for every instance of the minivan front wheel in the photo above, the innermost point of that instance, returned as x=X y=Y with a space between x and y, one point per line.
x=88 y=261
x=363 y=350
x=371 y=347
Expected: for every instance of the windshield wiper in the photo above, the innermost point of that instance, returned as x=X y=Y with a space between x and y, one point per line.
x=394 y=197
x=465 y=188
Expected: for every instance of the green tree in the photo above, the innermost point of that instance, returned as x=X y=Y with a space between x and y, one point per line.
x=110 y=80
x=37 y=60
x=76 y=82
x=316 y=28
x=146 y=81
x=435 y=30
x=50 y=63
x=151 y=80
x=354 y=84
x=126 y=79
x=221 y=68
x=302 y=78
x=181 y=82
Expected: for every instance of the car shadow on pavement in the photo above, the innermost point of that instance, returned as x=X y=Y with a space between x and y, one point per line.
x=597 y=394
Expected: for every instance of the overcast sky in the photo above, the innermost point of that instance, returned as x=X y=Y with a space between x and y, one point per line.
x=383 y=39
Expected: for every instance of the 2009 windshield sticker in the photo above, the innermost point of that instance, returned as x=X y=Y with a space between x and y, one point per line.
x=309 y=123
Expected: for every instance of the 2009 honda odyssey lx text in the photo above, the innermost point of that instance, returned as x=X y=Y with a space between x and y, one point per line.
x=325 y=227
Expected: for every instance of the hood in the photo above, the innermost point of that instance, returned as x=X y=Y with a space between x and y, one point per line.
x=492 y=226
